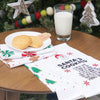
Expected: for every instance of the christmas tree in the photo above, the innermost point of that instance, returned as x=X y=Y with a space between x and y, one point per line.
x=89 y=16
x=8 y=23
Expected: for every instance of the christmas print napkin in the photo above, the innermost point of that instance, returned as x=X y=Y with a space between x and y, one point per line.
x=14 y=58
x=65 y=70
x=70 y=73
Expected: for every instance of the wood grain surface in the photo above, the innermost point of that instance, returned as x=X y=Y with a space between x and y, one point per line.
x=22 y=80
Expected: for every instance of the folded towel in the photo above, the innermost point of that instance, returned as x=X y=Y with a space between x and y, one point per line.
x=64 y=70
x=9 y=53
x=14 y=58
x=70 y=73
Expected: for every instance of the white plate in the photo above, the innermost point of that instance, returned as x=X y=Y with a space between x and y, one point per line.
x=9 y=38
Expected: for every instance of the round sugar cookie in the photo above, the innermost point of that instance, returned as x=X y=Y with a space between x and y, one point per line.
x=36 y=42
x=21 y=41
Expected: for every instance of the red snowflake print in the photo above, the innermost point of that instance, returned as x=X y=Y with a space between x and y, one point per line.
x=69 y=53
x=13 y=64
x=86 y=83
x=28 y=54
x=73 y=86
x=95 y=65
x=67 y=70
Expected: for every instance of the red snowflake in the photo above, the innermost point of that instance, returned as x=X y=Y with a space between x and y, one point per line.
x=95 y=65
x=86 y=83
x=28 y=54
x=69 y=53
x=67 y=70
x=73 y=86
x=13 y=64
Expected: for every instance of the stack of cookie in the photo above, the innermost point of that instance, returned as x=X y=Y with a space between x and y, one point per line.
x=23 y=41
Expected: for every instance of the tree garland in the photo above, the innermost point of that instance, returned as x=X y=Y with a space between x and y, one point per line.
x=48 y=12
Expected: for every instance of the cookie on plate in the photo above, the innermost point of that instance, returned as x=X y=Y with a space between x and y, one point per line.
x=44 y=36
x=21 y=41
x=36 y=42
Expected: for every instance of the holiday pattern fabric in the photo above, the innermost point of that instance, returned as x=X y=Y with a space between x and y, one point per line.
x=66 y=71
x=14 y=58
x=70 y=73
x=89 y=16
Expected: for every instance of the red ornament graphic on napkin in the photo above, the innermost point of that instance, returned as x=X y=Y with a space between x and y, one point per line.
x=57 y=56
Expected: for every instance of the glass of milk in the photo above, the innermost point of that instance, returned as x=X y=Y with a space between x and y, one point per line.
x=63 y=17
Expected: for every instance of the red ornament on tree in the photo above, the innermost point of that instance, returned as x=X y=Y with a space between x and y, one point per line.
x=61 y=7
x=37 y=15
x=16 y=24
x=83 y=3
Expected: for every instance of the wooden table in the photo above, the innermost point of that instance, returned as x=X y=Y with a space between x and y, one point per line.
x=21 y=80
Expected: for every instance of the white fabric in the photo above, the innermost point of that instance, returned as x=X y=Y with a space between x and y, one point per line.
x=69 y=72
x=14 y=58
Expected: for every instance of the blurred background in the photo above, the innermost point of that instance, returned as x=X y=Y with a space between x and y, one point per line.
x=8 y=23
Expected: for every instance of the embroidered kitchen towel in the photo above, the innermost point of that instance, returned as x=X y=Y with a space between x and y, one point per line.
x=14 y=58
x=68 y=71
x=9 y=53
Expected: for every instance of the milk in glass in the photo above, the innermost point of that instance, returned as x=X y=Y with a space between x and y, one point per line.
x=63 y=23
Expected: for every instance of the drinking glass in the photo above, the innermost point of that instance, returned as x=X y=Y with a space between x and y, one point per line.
x=63 y=17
